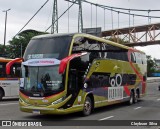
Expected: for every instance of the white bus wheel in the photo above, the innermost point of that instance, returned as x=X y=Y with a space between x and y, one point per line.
x=118 y=80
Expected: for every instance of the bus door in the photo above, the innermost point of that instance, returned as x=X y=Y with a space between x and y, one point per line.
x=73 y=85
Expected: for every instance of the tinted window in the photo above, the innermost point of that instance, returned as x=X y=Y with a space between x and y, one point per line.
x=2 y=69
x=93 y=47
x=144 y=59
x=99 y=49
x=138 y=57
x=54 y=47
x=15 y=70
x=133 y=57
x=113 y=52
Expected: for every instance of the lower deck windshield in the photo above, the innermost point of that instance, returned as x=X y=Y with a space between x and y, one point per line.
x=41 y=81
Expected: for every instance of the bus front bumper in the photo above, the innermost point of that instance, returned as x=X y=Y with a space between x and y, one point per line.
x=45 y=110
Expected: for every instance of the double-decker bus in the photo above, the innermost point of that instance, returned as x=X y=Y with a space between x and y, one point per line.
x=66 y=73
x=9 y=84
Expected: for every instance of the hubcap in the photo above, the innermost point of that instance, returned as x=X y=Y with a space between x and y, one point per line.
x=87 y=107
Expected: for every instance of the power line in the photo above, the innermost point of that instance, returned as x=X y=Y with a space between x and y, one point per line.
x=145 y=10
x=32 y=17
x=112 y=8
x=132 y=13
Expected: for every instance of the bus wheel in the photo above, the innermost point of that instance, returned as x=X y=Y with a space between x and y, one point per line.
x=131 y=100
x=136 y=97
x=1 y=94
x=87 y=109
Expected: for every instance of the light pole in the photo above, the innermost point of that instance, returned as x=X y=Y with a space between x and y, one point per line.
x=5 y=27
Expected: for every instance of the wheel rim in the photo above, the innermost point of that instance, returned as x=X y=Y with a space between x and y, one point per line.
x=87 y=107
x=131 y=99
x=136 y=98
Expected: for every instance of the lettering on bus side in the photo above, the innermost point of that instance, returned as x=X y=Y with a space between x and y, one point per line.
x=115 y=93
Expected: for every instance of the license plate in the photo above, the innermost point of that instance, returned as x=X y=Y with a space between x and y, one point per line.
x=36 y=112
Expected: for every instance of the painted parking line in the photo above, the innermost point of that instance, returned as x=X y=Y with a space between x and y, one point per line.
x=158 y=99
x=106 y=118
x=137 y=108
x=4 y=104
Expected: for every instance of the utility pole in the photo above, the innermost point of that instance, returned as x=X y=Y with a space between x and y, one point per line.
x=54 y=28
x=5 y=28
x=80 y=18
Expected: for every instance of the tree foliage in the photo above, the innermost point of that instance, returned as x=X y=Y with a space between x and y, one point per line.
x=151 y=64
x=1 y=50
x=13 y=50
x=118 y=40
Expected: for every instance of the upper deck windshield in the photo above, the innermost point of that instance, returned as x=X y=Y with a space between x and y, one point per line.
x=48 y=47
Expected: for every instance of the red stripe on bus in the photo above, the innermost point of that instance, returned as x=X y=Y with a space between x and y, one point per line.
x=45 y=97
x=64 y=62
x=127 y=91
x=143 y=87
x=135 y=70
x=9 y=79
x=23 y=95
x=53 y=95
x=105 y=87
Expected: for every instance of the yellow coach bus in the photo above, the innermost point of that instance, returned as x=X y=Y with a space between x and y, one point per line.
x=66 y=73
x=9 y=84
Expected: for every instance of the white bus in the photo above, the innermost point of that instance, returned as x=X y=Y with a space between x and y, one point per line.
x=9 y=84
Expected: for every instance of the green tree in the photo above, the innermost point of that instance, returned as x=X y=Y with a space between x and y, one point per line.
x=13 y=50
x=1 y=50
x=150 y=66
x=118 y=40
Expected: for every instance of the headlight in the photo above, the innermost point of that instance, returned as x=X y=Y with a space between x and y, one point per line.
x=58 y=100
x=20 y=100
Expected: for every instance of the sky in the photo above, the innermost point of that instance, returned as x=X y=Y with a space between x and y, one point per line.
x=22 y=10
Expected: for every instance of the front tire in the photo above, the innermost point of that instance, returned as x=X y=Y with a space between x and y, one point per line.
x=87 y=109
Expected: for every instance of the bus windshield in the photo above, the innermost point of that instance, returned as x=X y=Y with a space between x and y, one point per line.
x=48 y=47
x=15 y=70
x=44 y=80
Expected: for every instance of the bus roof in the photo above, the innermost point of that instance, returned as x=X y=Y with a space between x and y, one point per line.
x=87 y=36
x=53 y=35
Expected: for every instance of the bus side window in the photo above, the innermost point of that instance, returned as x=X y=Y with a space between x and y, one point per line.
x=113 y=52
x=17 y=71
x=133 y=58
x=93 y=55
x=144 y=59
x=138 y=58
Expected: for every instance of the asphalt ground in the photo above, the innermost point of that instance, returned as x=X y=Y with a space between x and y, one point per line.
x=148 y=108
